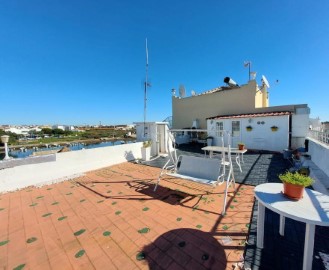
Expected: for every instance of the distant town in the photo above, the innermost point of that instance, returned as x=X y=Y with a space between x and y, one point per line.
x=22 y=134
x=28 y=129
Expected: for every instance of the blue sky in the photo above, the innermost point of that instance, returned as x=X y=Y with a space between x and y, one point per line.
x=82 y=62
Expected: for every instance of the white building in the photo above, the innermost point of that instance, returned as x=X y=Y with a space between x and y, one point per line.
x=22 y=130
x=69 y=128
x=273 y=131
x=62 y=127
x=315 y=124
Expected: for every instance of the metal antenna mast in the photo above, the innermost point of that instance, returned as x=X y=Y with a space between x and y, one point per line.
x=146 y=84
x=248 y=63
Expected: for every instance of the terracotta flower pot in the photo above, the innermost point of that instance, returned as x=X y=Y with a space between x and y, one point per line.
x=292 y=191
x=241 y=146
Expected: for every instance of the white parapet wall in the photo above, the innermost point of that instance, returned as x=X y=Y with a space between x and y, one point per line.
x=319 y=154
x=67 y=165
x=319 y=169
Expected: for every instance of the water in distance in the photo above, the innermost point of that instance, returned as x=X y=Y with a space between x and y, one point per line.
x=25 y=152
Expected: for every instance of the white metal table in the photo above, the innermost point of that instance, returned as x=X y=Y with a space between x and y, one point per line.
x=312 y=209
x=236 y=151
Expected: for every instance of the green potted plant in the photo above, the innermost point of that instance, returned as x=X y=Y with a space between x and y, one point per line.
x=241 y=145
x=146 y=150
x=274 y=128
x=294 y=184
x=249 y=128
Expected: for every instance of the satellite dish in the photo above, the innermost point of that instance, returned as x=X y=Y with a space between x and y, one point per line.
x=265 y=81
x=182 y=92
x=193 y=93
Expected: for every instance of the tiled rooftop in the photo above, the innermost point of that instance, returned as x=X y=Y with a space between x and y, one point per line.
x=250 y=115
x=111 y=219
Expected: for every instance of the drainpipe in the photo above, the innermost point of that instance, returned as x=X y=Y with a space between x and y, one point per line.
x=290 y=130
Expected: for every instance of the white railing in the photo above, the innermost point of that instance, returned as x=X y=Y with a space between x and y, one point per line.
x=319 y=136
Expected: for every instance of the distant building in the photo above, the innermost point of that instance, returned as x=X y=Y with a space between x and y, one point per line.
x=3 y=127
x=18 y=130
x=325 y=127
x=315 y=124
x=25 y=131
x=58 y=127
x=124 y=127
x=69 y=128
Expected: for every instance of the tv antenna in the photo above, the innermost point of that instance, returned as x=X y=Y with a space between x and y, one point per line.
x=182 y=91
x=247 y=64
x=146 y=84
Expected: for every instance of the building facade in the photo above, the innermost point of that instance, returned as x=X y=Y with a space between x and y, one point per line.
x=219 y=101
x=237 y=107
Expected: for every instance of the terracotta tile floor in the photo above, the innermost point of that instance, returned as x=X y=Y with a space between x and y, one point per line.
x=111 y=219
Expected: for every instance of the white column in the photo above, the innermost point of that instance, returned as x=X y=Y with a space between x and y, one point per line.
x=5 y=139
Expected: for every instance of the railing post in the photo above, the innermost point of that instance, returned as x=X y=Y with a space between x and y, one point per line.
x=319 y=136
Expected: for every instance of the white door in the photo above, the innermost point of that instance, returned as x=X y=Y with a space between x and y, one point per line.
x=235 y=132
x=161 y=139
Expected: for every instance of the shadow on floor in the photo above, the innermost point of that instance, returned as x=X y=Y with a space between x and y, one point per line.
x=191 y=248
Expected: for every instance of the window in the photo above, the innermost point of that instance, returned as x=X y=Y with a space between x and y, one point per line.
x=219 y=129
x=235 y=128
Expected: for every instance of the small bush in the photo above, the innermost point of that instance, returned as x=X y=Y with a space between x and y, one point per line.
x=147 y=144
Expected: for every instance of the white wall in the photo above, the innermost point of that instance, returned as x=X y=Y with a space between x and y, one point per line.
x=140 y=131
x=67 y=165
x=236 y=100
x=261 y=137
x=299 y=129
x=319 y=154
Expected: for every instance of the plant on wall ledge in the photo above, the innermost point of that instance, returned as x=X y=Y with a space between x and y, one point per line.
x=146 y=150
x=147 y=144
x=274 y=128
x=249 y=128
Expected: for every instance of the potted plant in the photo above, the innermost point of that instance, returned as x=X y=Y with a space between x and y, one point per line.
x=249 y=128
x=241 y=145
x=274 y=128
x=294 y=184
x=146 y=150
x=304 y=171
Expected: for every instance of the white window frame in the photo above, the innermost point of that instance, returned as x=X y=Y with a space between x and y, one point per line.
x=219 y=128
x=236 y=128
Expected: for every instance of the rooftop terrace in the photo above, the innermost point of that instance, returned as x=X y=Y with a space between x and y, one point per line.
x=111 y=219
